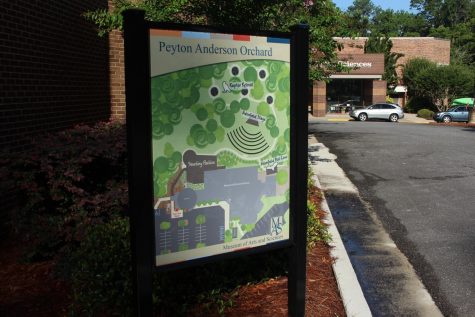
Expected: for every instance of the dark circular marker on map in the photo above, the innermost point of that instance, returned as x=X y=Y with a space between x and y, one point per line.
x=270 y=99
x=188 y=156
x=244 y=92
x=214 y=91
x=262 y=74
x=235 y=71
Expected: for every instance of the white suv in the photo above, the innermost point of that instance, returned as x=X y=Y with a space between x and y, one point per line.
x=386 y=111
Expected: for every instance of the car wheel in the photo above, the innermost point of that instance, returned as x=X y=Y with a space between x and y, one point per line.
x=362 y=117
x=446 y=119
x=393 y=117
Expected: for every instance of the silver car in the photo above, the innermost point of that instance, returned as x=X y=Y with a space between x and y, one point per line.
x=386 y=111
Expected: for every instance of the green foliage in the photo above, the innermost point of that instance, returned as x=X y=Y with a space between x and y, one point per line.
x=360 y=14
x=417 y=103
x=444 y=12
x=67 y=181
x=102 y=277
x=438 y=84
x=376 y=44
x=322 y=16
x=396 y=23
x=449 y=19
x=101 y=270
x=425 y=113
x=316 y=230
x=412 y=69
x=105 y=21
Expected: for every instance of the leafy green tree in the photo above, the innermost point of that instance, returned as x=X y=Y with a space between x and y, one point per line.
x=439 y=84
x=396 y=23
x=410 y=72
x=462 y=38
x=360 y=14
x=324 y=19
x=376 y=44
x=444 y=12
x=451 y=19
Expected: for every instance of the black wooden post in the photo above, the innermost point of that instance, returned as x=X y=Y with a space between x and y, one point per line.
x=139 y=147
x=298 y=180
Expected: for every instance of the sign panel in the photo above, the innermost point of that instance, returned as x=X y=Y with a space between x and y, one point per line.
x=220 y=142
x=364 y=64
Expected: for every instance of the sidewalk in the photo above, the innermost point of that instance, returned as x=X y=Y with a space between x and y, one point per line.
x=388 y=281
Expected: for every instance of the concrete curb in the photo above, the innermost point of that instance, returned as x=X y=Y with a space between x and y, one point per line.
x=350 y=290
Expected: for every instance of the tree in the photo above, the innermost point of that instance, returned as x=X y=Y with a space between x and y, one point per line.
x=376 y=44
x=324 y=19
x=444 y=12
x=411 y=70
x=396 y=23
x=360 y=14
x=439 y=84
x=451 y=19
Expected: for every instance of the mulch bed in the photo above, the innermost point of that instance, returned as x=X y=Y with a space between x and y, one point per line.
x=31 y=289
x=269 y=299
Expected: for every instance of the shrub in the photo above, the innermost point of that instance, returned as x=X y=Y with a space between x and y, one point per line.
x=425 y=113
x=417 y=103
x=101 y=270
x=101 y=273
x=316 y=230
x=66 y=182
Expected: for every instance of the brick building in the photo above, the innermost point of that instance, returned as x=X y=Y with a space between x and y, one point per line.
x=54 y=69
x=56 y=72
x=364 y=85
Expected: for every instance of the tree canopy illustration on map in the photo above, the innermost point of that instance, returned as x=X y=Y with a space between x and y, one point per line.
x=220 y=157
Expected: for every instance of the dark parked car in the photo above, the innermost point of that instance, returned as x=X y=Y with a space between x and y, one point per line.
x=345 y=106
x=458 y=114
x=386 y=111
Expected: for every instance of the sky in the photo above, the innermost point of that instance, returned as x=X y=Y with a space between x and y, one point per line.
x=385 y=4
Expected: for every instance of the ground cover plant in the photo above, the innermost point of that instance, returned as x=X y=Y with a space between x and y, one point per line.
x=66 y=182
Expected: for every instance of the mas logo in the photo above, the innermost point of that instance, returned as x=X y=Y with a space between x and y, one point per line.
x=276 y=225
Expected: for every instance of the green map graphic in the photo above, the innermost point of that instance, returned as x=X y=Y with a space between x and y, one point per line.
x=220 y=154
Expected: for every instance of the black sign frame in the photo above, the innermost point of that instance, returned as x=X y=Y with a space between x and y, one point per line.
x=138 y=116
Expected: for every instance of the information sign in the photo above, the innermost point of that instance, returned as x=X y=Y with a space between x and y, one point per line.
x=220 y=112
x=217 y=143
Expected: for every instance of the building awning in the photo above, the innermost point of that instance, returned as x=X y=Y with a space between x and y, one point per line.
x=400 y=88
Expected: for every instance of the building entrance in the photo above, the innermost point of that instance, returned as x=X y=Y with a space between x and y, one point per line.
x=344 y=95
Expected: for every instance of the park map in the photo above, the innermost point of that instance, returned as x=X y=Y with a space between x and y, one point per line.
x=221 y=137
